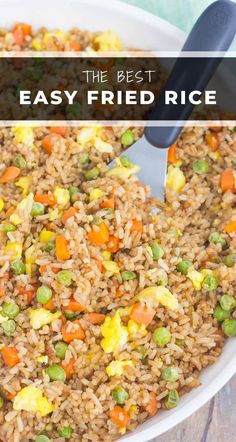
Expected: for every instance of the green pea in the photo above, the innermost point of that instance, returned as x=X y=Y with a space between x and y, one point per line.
x=125 y=162
x=227 y=302
x=44 y=294
x=37 y=209
x=10 y=309
x=70 y=314
x=229 y=327
x=65 y=432
x=128 y=276
x=184 y=266
x=73 y=109
x=120 y=395
x=74 y=193
x=56 y=373
x=64 y=277
x=216 y=238
x=220 y=314
x=18 y=267
x=9 y=327
x=49 y=427
x=170 y=374
x=161 y=336
x=8 y=227
x=42 y=438
x=229 y=260
x=157 y=251
x=92 y=174
x=127 y=138
x=179 y=342
x=1 y=402
x=162 y=282
x=200 y=167
x=60 y=349
x=172 y=400
x=19 y=162
x=210 y=283
x=49 y=246
x=84 y=159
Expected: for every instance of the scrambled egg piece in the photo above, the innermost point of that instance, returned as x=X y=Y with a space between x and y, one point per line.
x=115 y=334
x=61 y=196
x=59 y=35
x=111 y=267
x=136 y=329
x=43 y=359
x=46 y=235
x=29 y=259
x=175 y=179
x=87 y=134
x=106 y=255
x=23 y=210
x=158 y=295
x=102 y=146
x=31 y=399
x=24 y=134
x=1 y=204
x=108 y=41
x=14 y=249
x=40 y=317
x=24 y=183
x=197 y=278
x=54 y=214
x=116 y=368
x=95 y=194
x=123 y=172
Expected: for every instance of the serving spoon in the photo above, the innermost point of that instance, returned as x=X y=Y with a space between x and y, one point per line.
x=214 y=31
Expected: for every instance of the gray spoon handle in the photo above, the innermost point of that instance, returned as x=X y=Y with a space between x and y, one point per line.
x=214 y=31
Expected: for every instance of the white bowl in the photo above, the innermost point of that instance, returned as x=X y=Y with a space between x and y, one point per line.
x=144 y=31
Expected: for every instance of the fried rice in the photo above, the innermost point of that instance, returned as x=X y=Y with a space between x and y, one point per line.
x=109 y=265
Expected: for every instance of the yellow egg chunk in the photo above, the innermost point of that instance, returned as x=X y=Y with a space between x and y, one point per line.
x=14 y=250
x=175 y=179
x=123 y=172
x=108 y=41
x=40 y=317
x=24 y=134
x=29 y=259
x=115 y=334
x=23 y=210
x=153 y=296
x=61 y=196
x=24 y=183
x=111 y=267
x=95 y=194
x=197 y=278
x=1 y=204
x=102 y=146
x=136 y=329
x=116 y=368
x=46 y=235
x=31 y=399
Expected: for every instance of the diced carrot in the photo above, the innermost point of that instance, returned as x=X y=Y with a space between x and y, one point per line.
x=108 y=204
x=98 y=237
x=47 y=143
x=59 y=130
x=94 y=318
x=231 y=227
x=119 y=293
x=19 y=37
x=119 y=416
x=98 y=264
x=25 y=28
x=46 y=199
x=50 y=305
x=137 y=226
x=77 y=333
x=152 y=406
x=10 y=356
x=30 y=293
x=62 y=250
x=74 y=306
x=215 y=128
x=68 y=367
x=10 y=174
x=69 y=214
x=227 y=181
x=2 y=290
x=10 y=211
x=10 y=396
x=44 y=269
x=74 y=45
x=172 y=158
x=142 y=314
x=212 y=141
x=113 y=244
